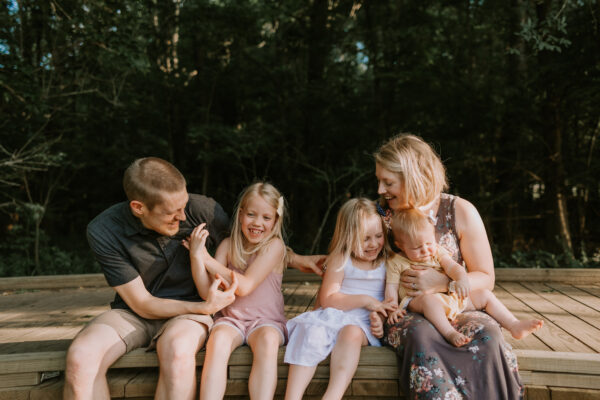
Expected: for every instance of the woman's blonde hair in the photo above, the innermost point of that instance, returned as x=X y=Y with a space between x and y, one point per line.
x=349 y=228
x=409 y=222
x=418 y=167
x=240 y=250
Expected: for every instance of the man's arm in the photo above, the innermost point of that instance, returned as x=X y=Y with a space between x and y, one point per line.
x=136 y=296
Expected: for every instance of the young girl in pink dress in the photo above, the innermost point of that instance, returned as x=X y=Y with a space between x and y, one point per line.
x=255 y=252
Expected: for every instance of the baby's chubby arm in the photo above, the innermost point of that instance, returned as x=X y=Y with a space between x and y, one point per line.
x=457 y=273
x=330 y=295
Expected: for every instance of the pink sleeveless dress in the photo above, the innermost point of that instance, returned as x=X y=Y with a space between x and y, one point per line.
x=262 y=307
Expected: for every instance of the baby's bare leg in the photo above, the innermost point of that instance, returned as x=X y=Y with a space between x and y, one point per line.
x=431 y=307
x=484 y=299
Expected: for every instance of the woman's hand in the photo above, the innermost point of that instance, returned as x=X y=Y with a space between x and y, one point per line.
x=420 y=280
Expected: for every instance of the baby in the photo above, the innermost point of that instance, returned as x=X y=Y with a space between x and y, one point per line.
x=416 y=238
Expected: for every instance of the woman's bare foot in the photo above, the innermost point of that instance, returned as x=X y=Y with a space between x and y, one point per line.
x=522 y=328
x=456 y=338
x=376 y=324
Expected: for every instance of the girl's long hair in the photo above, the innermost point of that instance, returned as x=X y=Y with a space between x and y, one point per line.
x=240 y=250
x=349 y=229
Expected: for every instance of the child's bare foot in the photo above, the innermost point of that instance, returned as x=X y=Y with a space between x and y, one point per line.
x=376 y=324
x=456 y=338
x=520 y=329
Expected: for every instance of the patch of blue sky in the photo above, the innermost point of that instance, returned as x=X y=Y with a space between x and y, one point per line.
x=13 y=7
x=361 y=57
x=4 y=49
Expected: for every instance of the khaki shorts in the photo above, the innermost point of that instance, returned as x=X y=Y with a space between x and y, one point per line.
x=136 y=331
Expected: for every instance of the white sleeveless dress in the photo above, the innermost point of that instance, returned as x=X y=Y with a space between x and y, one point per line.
x=313 y=334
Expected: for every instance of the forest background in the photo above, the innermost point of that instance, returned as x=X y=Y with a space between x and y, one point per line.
x=299 y=92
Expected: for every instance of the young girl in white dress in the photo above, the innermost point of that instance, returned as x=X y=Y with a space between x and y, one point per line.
x=353 y=286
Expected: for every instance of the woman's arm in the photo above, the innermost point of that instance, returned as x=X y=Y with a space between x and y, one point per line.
x=312 y=263
x=330 y=296
x=474 y=245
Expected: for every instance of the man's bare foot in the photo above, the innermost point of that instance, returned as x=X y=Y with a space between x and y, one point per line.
x=376 y=324
x=456 y=338
x=521 y=329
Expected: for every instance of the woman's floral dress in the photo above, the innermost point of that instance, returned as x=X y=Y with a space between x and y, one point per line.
x=431 y=368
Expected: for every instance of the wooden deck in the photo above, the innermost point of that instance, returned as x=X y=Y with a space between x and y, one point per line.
x=40 y=316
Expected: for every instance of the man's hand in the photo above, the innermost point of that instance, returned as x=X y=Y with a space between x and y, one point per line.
x=218 y=299
x=314 y=263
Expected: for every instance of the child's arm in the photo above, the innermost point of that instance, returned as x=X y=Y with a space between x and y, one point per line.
x=196 y=245
x=391 y=297
x=265 y=262
x=457 y=273
x=330 y=295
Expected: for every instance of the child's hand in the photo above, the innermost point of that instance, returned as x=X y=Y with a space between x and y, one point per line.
x=196 y=243
x=396 y=315
x=381 y=307
x=462 y=288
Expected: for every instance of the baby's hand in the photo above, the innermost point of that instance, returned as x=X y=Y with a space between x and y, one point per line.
x=396 y=315
x=462 y=288
x=196 y=243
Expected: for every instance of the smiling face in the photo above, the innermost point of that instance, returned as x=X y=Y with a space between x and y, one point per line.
x=372 y=239
x=420 y=247
x=165 y=216
x=390 y=188
x=257 y=219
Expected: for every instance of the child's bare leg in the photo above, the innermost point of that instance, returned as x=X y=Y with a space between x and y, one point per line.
x=431 y=307
x=344 y=360
x=299 y=376
x=222 y=341
x=484 y=299
x=264 y=342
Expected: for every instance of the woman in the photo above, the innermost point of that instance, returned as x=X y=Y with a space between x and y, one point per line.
x=411 y=174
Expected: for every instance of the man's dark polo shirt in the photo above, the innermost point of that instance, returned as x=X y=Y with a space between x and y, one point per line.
x=126 y=249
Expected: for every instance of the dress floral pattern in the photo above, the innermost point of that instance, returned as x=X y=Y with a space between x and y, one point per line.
x=433 y=369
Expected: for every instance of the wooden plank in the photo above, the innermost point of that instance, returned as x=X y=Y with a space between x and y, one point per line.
x=51 y=390
x=15 y=393
x=558 y=393
x=552 y=334
x=375 y=387
x=576 y=293
x=141 y=384
x=20 y=379
x=565 y=302
x=301 y=300
x=537 y=393
x=577 y=328
x=578 y=363
x=562 y=275
x=52 y=281
x=30 y=362
x=560 y=379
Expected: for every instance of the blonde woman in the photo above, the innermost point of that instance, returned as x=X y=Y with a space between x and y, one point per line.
x=410 y=175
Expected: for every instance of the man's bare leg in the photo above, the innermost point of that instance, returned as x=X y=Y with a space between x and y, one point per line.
x=177 y=348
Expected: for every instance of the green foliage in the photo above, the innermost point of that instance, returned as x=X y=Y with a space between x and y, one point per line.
x=299 y=93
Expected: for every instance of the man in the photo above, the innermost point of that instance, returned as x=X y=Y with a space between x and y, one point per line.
x=138 y=245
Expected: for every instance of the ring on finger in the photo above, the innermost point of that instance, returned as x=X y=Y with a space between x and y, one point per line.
x=414 y=285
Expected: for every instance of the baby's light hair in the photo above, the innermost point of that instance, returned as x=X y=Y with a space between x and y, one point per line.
x=418 y=167
x=349 y=227
x=409 y=223
x=238 y=253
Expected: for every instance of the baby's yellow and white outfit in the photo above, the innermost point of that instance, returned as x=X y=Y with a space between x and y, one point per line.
x=453 y=305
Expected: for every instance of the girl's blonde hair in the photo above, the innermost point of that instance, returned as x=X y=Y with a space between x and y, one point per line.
x=349 y=228
x=239 y=250
x=410 y=222
x=418 y=167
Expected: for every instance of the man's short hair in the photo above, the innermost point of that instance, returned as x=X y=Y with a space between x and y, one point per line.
x=146 y=179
